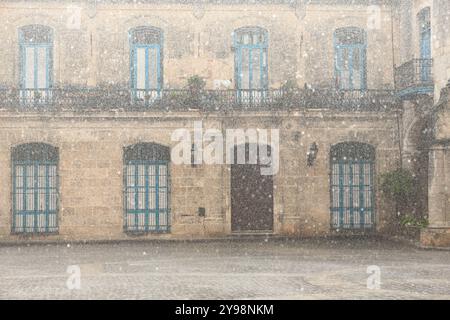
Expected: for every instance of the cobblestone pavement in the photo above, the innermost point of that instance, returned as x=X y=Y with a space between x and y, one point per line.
x=245 y=269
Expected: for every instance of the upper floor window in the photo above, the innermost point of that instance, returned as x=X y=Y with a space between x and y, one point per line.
x=146 y=63
x=251 y=67
x=350 y=58
x=425 y=64
x=424 y=22
x=36 y=63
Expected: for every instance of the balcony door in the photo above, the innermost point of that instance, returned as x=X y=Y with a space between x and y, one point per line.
x=146 y=67
x=350 y=58
x=36 y=46
x=251 y=68
x=425 y=44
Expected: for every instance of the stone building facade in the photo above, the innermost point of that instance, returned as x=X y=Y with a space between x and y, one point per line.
x=424 y=45
x=93 y=91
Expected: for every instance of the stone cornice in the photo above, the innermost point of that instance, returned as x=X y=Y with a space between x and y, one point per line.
x=292 y=3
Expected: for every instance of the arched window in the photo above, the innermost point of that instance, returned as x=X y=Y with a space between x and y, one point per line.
x=251 y=66
x=36 y=63
x=146 y=188
x=350 y=58
x=35 y=188
x=146 y=63
x=352 y=186
x=424 y=22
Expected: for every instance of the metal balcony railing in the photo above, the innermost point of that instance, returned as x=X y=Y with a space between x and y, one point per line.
x=37 y=97
x=79 y=99
x=415 y=77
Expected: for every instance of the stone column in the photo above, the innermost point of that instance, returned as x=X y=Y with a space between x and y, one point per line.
x=441 y=44
x=438 y=232
x=438 y=189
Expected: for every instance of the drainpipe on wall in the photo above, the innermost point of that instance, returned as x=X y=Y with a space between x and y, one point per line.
x=400 y=147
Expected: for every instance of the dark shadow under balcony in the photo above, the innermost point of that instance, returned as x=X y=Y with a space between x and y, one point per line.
x=91 y=99
x=414 y=77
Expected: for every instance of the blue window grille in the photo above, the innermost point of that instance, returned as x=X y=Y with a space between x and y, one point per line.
x=350 y=58
x=147 y=189
x=352 y=186
x=424 y=20
x=36 y=64
x=146 y=64
x=35 y=188
x=251 y=64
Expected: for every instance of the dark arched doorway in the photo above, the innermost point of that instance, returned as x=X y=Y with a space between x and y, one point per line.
x=251 y=195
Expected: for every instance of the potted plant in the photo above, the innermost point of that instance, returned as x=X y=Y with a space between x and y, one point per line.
x=37 y=95
x=195 y=86
x=289 y=90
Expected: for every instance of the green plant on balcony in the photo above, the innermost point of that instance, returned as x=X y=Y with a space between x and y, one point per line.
x=290 y=85
x=289 y=91
x=195 y=91
x=196 y=83
x=37 y=97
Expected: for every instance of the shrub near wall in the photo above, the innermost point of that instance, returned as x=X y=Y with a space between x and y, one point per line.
x=400 y=186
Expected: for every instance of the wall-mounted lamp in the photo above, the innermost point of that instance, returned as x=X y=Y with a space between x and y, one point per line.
x=312 y=154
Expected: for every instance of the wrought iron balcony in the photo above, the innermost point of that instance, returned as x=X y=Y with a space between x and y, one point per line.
x=414 y=77
x=84 y=99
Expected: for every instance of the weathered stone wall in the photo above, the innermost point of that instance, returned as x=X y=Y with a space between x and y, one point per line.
x=91 y=45
x=91 y=48
x=317 y=47
x=91 y=168
x=409 y=47
x=423 y=115
x=438 y=232
x=408 y=24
